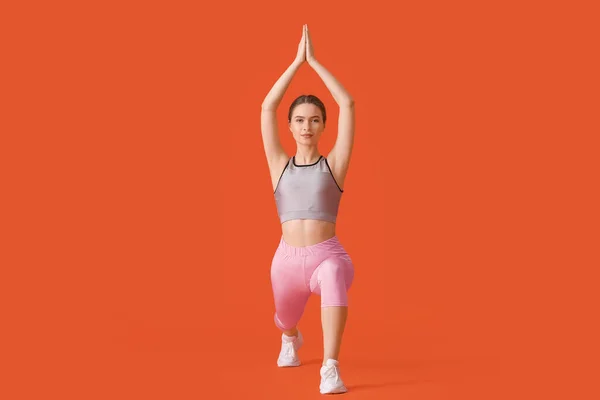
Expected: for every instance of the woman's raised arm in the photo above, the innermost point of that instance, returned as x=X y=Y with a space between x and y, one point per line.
x=339 y=157
x=268 y=118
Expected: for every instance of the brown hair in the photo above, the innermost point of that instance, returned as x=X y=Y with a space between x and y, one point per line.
x=307 y=99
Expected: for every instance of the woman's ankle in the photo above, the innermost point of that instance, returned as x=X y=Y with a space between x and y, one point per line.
x=291 y=332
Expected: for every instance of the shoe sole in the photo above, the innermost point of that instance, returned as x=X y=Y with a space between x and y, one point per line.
x=335 y=391
x=281 y=365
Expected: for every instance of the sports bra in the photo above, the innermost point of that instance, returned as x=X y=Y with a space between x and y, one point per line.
x=307 y=192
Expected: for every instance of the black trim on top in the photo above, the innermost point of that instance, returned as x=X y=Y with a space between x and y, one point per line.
x=329 y=168
x=305 y=165
x=279 y=180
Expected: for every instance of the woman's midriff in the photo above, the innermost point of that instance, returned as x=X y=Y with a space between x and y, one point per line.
x=306 y=232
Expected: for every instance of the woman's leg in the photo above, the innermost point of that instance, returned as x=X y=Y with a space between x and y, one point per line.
x=333 y=321
x=290 y=294
x=332 y=279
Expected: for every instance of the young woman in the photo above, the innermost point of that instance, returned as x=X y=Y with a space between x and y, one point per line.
x=307 y=189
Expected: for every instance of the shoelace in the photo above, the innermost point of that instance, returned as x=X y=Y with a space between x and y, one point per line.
x=289 y=350
x=331 y=372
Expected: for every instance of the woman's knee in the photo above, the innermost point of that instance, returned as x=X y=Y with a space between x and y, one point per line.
x=284 y=326
x=336 y=270
x=332 y=280
x=289 y=308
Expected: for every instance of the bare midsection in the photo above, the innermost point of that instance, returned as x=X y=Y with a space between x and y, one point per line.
x=306 y=232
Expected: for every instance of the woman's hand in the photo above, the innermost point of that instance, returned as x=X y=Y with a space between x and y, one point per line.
x=301 y=56
x=310 y=55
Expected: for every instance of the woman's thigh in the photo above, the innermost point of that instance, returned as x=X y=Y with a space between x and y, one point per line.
x=290 y=289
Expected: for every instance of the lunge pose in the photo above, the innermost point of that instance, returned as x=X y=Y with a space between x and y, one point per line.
x=308 y=188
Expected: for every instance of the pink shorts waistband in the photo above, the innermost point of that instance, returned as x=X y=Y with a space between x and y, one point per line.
x=330 y=244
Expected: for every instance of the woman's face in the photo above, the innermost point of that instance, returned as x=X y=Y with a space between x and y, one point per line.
x=307 y=124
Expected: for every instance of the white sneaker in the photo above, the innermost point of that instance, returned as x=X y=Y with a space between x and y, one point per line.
x=330 y=378
x=288 y=356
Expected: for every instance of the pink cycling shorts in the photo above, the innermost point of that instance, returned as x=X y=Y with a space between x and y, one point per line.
x=296 y=272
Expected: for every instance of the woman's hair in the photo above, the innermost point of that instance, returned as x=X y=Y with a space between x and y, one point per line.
x=310 y=99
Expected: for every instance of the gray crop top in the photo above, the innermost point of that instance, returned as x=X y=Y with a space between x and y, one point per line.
x=307 y=192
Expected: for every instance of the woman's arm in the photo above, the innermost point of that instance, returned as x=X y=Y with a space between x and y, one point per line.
x=339 y=157
x=340 y=95
x=268 y=116
x=273 y=98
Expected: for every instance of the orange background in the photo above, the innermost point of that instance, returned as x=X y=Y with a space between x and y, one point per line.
x=138 y=220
